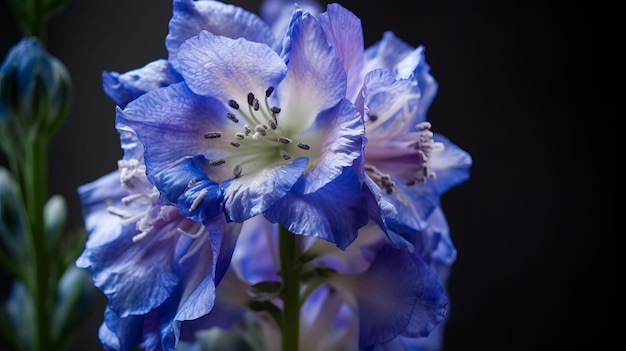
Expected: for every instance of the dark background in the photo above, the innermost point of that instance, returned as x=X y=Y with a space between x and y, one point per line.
x=531 y=226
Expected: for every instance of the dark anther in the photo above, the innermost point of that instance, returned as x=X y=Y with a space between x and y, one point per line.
x=250 y=99
x=212 y=135
x=235 y=144
x=275 y=109
x=237 y=170
x=255 y=105
x=303 y=146
x=217 y=162
x=233 y=104
x=232 y=117
x=373 y=118
x=269 y=91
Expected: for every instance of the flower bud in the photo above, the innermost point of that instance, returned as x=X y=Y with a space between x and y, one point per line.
x=34 y=92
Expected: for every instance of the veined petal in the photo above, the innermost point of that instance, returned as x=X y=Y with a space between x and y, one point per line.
x=344 y=32
x=191 y=17
x=323 y=214
x=386 y=53
x=250 y=195
x=315 y=78
x=342 y=136
x=135 y=276
x=227 y=69
x=452 y=165
x=187 y=186
x=430 y=309
x=126 y=87
x=120 y=334
x=385 y=294
x=171 y=123
x=391 y=107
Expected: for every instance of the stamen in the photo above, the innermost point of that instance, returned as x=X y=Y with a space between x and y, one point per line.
x=239 y=136
x=235 y=144
x=285 y=155
x=119 y=212
x=197 y=200
x=284 y=140
x=213 y=135
x=261 y=129
x=250 y=98
x=233 y=104
x=247 y=129
x=373 y=118
x=255 y=105
x=237 y=170
x=132 y=197
x=139 y=236
x=423 y=126
x=232 y=117
x=304 y=146
x=275 y=109
x=381 y=179
x=217 y=162
x=269 y=91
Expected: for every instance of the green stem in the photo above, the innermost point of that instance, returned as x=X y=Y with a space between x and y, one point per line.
x=35 y=192
x=290 y=273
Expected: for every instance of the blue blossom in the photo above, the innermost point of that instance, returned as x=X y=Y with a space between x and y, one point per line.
x=156 y=267
x=250 y=131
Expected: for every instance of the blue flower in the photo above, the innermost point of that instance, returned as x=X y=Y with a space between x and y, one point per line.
x=156 y=267
x=396 y=96
x=250 y=131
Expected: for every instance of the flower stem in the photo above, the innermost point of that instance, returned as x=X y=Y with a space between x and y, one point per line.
x=35 y=190
x=290 y=273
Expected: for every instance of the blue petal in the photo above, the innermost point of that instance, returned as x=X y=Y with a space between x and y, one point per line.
x=386 y=53
x=452 y=166
x=250 y=195
x=171 y=123
x=226 y=69
x=395 y=104
x=135 y=276
x=343 y=136
x=186 y=185
x=430 y=309
x=344 y=32
x=191 y=17
x=386 y=294
x=334 y=213
x=126 y=87
x=315 y=79
x=120 y=334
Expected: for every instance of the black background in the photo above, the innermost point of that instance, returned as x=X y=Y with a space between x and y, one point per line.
x=531 y=226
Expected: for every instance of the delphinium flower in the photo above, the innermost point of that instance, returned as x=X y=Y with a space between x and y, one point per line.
x=251 y=132
x=133 y=218
x=263 y=123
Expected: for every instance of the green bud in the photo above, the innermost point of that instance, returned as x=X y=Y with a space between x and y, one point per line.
x=35 y=92
x=12 y=215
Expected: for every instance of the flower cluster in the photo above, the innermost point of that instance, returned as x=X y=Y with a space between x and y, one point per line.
x=279 y=187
